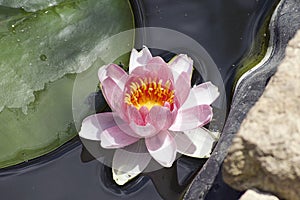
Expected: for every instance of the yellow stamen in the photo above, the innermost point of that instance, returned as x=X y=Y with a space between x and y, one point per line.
x=168 y=83
x=149 y=93
x=154 y=85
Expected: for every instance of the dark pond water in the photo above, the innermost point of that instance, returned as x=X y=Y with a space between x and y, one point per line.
x=225 y=29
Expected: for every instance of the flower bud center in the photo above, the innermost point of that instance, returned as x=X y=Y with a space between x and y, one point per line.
x=149 y=93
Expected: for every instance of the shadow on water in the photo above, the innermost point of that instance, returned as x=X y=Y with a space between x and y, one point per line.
x=225 y=29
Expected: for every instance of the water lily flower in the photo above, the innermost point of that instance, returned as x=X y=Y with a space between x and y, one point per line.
x=154 y=102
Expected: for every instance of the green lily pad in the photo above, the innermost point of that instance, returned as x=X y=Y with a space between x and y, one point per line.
x=41 y=47
x=30 y=5
x=38 y=51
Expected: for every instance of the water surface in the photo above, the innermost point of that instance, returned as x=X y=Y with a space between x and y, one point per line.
x=224 y=28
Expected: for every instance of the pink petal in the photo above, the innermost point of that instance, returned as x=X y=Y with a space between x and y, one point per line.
x=116 y=73
x=145 y=131
x=144 y=112
x=205 y=93
x=160 y=71
x=192 y=118
x=124 y=126
x=94 y=125
x=196 y=143
x=161 y=117
x=182 y=88
x=181 y=63
x=114 y=96
x=114 y=137
x=162 y=148
x=135 y=115
x=138 y=59
x=154 y=71
x=157 y=60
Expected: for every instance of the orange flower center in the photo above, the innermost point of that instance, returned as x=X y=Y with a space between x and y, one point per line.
x=149 y=93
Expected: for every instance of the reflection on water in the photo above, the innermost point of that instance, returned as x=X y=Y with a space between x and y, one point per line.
x=224 y=28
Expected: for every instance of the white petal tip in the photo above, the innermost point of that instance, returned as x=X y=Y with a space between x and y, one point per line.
x=197 y=143
x=122 y=179
x=168 y=165
x=89 y=130
x=127 y=165
x=139 y=58
x=86 y=137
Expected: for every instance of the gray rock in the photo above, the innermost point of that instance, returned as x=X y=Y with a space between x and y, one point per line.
x=285 y=22
x=252 y=194
x=265 y=153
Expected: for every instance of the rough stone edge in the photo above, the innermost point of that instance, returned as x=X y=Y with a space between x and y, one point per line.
x=257 y=195
x=281 y=33
x=254 y=167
